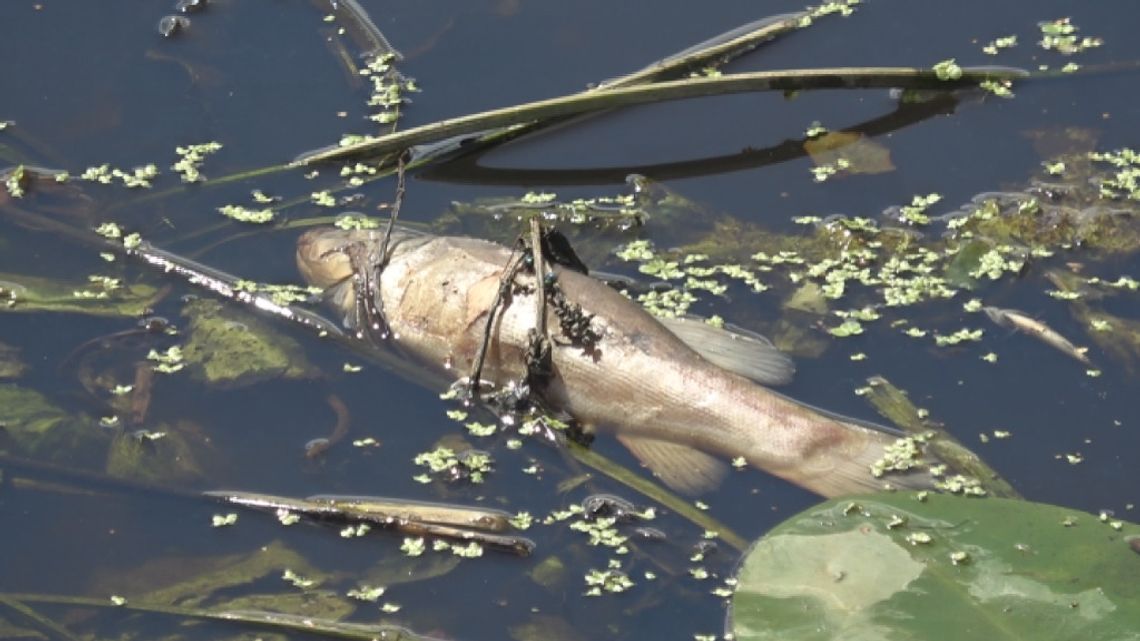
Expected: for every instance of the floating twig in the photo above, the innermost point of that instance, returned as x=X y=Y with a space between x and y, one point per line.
x=518 y=259
x=455 y=522
x=396 y=205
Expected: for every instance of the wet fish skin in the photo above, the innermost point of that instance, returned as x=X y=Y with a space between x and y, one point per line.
x=1026 y=324
x=674 y=409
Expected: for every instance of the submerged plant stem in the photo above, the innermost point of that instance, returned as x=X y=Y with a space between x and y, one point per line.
x=151 y=196
x=53 y=629
x=280 y=621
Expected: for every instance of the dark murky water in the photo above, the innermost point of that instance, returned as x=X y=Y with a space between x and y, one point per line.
x=89 y=83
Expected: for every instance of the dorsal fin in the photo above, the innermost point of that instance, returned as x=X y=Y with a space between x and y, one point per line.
x=682 y=468
x=736 y=350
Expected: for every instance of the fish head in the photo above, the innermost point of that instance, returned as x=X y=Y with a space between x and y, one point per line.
x=337 y=260
x=997 y=315
x=322 y=255
x=327 y=256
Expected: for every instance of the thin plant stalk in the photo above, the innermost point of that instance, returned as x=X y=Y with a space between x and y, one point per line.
x=280 y=621
x=564 y=106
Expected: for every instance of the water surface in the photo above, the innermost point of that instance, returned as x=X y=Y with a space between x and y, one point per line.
x=93 y=83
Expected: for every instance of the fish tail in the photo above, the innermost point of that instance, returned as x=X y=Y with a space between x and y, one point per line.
x=857 y=467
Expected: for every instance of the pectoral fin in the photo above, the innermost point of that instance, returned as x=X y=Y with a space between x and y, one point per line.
x=739 y=351
x=680 y=467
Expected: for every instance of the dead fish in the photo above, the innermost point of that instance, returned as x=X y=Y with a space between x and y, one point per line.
x=1024 y=323
x=671 y=391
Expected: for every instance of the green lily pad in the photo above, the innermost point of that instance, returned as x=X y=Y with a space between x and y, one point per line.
x=797 y=338
x=230 y=347
x=193 y=581
x=395 y=569
x=36 y=428
x=167 y=454
x=808 y=298
x=965 y=261
x=890 y=566
x=97 y=297
x=315 y=604
x=862 y=155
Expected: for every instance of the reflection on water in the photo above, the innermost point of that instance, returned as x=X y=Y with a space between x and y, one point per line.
x=92 y=83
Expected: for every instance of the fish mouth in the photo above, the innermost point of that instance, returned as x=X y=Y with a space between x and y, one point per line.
x=322 y=258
